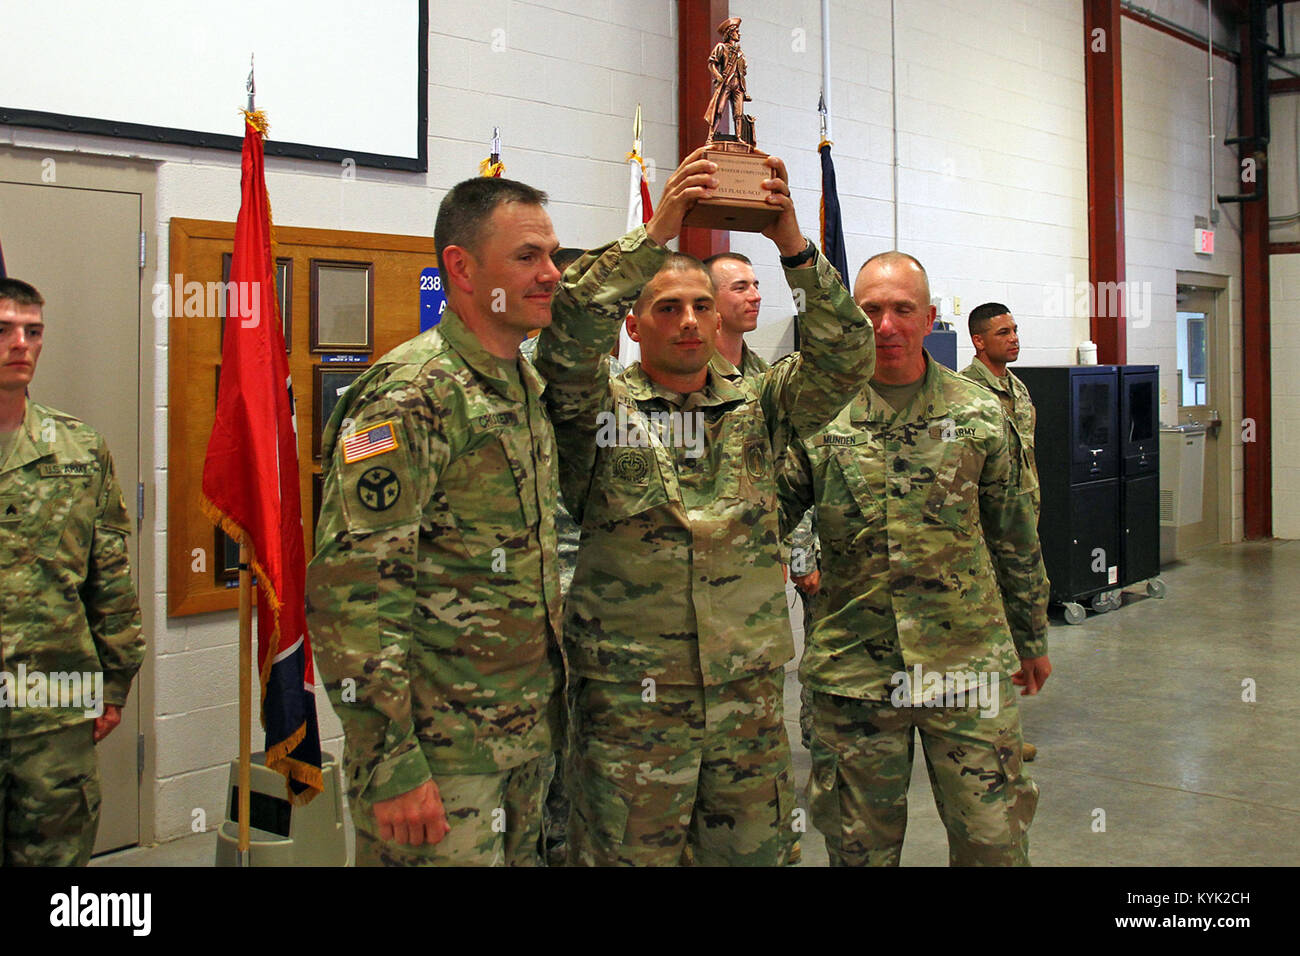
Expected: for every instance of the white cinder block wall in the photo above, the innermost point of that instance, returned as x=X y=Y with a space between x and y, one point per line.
x=1167 y=185
x=992 y=198
x=1284 y=308
x=992 y=182
x=1284 y=313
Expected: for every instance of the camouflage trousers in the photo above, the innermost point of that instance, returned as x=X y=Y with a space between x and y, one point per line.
x=707 y=767
x=49 y=798
x=862 y=763
x=805 y=695
x=556 y=847
x=495 y=820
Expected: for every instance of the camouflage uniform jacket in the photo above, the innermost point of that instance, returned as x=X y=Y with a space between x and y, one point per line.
x=67 y=601
x=751 y=365
x=1018 y=405
x=800 y=549
x=679 y=575
x=434 y=586
x=566 y=529
x=925 y=528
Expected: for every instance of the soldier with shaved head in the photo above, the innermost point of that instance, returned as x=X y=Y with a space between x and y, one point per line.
x=934 y=597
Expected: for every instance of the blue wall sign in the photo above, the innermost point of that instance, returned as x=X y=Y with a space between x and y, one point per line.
x=433 y=301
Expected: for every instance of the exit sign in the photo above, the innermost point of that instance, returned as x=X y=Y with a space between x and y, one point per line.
x=1204 y=242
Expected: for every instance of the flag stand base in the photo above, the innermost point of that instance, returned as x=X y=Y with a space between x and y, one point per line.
x=281 y=834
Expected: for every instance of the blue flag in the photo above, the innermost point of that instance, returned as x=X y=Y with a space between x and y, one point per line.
x=3 y=274
x=832 y=227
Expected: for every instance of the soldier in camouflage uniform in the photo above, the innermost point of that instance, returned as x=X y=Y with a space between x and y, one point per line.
x=805 y=571
x=67 y=607
x=567 y=532
x=434 y=595
x=738 y=303
x=996 y=339
x=931 y=560
x=566 y=529
x=676 y=626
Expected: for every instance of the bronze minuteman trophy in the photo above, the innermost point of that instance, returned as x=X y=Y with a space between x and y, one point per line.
x=739 y=202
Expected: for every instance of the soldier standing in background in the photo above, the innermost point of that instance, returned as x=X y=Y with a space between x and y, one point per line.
x=434 y=595
x=676 y=625
x=996 y=338
x=68 y=606
x=933 y=585
x=738 y=301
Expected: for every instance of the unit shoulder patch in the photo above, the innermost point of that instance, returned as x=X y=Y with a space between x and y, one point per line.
x=632 y=465
x=378 y=488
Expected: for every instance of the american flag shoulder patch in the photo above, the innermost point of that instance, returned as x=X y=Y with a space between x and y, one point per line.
x=375 y=440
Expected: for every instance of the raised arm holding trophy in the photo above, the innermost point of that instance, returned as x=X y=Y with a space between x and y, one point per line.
x=739 y=201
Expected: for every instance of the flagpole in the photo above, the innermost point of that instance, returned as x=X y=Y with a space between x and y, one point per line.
x=826 y=66
x=245 y=652
x=245 y=680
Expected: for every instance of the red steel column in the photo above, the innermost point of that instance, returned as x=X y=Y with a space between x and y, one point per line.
x=1102 y=80
x=696 y=22
x=1257 y=386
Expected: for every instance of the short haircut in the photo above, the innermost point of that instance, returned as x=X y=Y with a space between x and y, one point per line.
x=676 y=262
x=19 y=292
x=719 y=256
x=470 y=204
x=982 y=316
x=894 y=256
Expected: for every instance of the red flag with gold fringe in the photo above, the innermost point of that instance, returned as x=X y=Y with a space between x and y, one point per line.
x=250 y=480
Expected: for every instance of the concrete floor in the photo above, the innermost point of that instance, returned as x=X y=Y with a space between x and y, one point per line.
x=1143 y=719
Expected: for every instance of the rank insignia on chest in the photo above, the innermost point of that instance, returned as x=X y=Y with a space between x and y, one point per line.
x=632 y=465
x=10 y=512
x=378 y=489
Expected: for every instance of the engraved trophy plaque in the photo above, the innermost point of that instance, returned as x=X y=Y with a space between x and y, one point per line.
x=739 y=201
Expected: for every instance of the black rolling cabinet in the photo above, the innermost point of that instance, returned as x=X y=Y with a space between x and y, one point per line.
x=1139 y=433
x=1078 y=449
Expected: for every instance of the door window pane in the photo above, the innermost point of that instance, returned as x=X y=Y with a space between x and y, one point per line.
x=1193 y=359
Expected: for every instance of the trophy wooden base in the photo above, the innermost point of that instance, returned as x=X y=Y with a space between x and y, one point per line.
x=739 y=202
